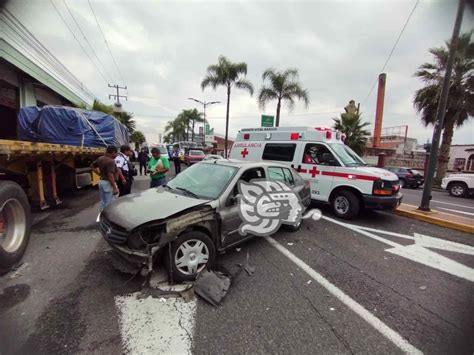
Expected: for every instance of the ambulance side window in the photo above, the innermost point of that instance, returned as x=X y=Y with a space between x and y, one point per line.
x=279 y=151
x=317 y=154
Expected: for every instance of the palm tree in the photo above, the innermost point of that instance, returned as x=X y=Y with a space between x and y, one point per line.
x=283 y=86
x=126 y=118
x=460 y=106
x=138 y=138
x=352 y=126
x=123 y=117
x=194 y=116
x=176 y=128
x=228 y=74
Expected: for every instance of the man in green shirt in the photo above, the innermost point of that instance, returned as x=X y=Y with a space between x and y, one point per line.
x=158 y=166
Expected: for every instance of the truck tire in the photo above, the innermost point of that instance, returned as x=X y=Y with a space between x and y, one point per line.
x=15 y=224
x=345 y=204
x=190 y=264
x=457 y=189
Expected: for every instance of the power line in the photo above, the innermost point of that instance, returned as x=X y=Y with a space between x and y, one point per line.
x=87 y=41
x=106 y=43
x=391 y=52
x=77 y=40
x=23 y=32
x=44 y=58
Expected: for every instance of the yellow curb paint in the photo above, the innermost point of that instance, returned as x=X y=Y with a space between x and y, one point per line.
x=430 y=218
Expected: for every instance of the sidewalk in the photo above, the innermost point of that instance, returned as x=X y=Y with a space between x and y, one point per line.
x=464 y=224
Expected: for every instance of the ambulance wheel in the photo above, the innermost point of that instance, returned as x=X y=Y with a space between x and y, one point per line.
x=345 y=204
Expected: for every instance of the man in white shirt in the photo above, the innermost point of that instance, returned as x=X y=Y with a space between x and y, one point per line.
x=125 y=170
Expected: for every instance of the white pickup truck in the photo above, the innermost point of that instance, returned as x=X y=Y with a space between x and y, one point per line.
x=458 y=185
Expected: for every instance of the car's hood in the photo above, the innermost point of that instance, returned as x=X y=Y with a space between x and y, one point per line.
x=380 y=173
x=136 y=209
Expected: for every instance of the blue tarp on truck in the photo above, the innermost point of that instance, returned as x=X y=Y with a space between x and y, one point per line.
x=72 y=126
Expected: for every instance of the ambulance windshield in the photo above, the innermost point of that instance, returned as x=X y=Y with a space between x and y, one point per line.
x=347 y=155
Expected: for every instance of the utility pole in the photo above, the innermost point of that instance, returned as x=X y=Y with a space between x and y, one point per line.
x=441 y=111
x=117 y=104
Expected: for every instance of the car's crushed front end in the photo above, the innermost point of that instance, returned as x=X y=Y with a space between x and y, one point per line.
x=140 y=236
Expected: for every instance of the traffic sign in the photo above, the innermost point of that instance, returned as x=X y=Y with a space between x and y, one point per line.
x=267 y=121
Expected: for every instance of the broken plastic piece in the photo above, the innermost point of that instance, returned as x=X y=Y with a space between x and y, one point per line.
x=212 y=286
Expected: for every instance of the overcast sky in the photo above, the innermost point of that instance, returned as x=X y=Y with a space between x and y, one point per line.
x=163 y=49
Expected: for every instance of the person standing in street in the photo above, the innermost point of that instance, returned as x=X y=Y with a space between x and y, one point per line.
x=105 y=167
x=176 y=160
x=142 y=160
x=125 y=169
x=158 y=166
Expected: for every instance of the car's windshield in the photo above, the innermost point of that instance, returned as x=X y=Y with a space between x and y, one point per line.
x=207 y=181
x=347 y=155
x=196 y=152
x=163 y=150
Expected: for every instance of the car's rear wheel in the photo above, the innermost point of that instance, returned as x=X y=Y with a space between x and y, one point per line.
x=402 y=183
x=191 y=253
x=457 y=189
x=14 y=225
x=345 y=204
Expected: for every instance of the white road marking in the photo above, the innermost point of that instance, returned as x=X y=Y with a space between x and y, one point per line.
x=451 y=210
x=427 y=242
x=432 y=259
x=376 y=323
x=453 y=204
x=436 y=243
x=156 y=326
x=428 y=257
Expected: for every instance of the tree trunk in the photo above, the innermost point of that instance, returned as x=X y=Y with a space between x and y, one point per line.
x=278 y=113
x=192 y=133
x=227 y=121
x=443 y=157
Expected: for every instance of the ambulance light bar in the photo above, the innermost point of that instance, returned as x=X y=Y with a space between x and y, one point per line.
x=294 y=136
x=246 y=135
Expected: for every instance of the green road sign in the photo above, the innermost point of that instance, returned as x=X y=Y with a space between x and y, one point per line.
x=267 y=121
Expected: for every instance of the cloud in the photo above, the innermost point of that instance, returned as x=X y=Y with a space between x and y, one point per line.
x=164 y=48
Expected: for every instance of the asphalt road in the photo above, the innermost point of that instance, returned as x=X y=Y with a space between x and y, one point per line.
x=328 y=288
x=442 y=201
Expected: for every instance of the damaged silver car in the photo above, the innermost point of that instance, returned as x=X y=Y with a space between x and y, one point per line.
x=191 y=219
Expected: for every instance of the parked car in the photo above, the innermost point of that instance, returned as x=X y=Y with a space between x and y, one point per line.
x=193 y=156
x=196 y=214
x=459 y=185
x=212 y=157
x=408 y=177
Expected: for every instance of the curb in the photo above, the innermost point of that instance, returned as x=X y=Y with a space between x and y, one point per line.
x=440 y=219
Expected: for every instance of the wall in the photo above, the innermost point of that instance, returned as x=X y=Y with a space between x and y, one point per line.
x=459 y=152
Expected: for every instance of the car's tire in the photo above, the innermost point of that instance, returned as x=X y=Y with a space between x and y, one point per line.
x=402 y=183
x=345 y=204
x=15 y=225
x=293 y=227
x=188 y=268
x=457 y=189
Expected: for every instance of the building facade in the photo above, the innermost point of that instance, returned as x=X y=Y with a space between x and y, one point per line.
x=461 y=157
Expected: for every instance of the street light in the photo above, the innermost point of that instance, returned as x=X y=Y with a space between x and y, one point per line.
x=204 y=104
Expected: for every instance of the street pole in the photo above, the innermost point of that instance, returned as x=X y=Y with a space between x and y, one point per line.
x=204 y=104
x=441 y=111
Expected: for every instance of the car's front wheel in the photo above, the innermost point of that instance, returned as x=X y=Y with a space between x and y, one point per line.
x=457 y=189
x=191 y=253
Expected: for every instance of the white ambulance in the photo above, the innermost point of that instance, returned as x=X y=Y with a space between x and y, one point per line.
x=337 y=175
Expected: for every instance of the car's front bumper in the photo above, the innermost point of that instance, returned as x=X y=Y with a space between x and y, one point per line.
x=382 y=202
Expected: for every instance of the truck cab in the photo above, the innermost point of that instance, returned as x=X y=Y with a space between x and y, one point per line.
x=337 y=175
